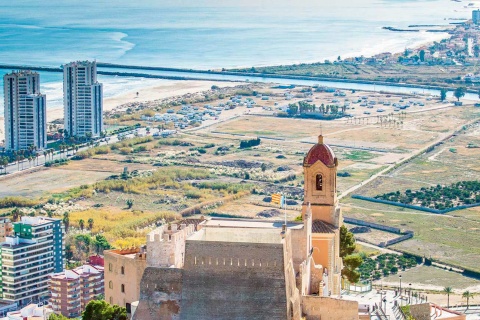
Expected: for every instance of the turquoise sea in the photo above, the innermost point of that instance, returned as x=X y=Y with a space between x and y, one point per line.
x=207 y=33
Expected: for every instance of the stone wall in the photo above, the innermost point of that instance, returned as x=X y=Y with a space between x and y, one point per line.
x=160 y=294
x=166 y=245
x=322 y=308
x=225 y=280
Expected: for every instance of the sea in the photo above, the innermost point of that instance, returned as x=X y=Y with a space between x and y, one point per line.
x=207 y=34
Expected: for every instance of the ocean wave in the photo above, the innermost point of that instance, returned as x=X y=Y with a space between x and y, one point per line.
x=125 y=46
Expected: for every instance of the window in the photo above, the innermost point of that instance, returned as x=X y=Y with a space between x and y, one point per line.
x=111 y=300
x=122 y=270
x=110 y=267
x=110 y=285
x=123 y=288
x=319 y=182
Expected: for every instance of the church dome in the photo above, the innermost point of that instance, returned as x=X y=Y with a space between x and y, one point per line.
x=320 y=152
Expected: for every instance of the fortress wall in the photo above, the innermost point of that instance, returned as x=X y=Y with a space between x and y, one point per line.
x=321 y=308
x=160 y=294
x=247 y=283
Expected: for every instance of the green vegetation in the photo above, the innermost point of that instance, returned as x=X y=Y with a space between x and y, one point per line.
x=56 y=162
x=55 y=316
x=406 y=312
x=459 y=92
x=359 y=155
x=10 y=202
x=351 y=262
x=249 y=143
x=438 y=197
x=101 y=310
x=443 y=94
x=305 y=109
x=468 y=295
x=448 y=291
x=91 y=152
x=384 y=265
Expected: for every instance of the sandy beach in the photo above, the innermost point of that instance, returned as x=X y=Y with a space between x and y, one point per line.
x=166 y=90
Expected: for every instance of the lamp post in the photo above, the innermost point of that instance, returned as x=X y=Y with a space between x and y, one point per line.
x=410 y=298
x=400 y=277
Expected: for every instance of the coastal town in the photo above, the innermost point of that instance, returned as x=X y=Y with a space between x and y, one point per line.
x=244 y=199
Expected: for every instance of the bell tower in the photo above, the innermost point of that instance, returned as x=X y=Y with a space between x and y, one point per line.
x=320 y=201
x=320 y=183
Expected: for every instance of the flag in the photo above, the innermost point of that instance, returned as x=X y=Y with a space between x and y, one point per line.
x=282 y=202
x=277 y=198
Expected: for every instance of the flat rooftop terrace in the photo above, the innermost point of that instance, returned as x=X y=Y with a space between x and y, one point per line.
x=239 y=234
x=250 y=223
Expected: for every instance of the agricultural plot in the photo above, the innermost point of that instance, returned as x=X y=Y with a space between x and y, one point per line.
x=436 y=236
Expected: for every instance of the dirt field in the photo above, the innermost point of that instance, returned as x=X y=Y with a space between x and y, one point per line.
x=433 y=278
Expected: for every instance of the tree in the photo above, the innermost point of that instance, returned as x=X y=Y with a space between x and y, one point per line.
x=66 y=221
x=263 y=166
x=15 y=214
x=129 y=203
x=422 y=55
x=90 y=223
x=459 y=93
x=101 y=310
x=55 y=316
x=81 y=224
x=443 y=94
x=448 y=291
x=101 y=243
x=347 y=242
x=467 y=295
x=350 y=262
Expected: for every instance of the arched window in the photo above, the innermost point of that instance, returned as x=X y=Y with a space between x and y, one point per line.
x=111 y=300
x=122 y=270
x=123 y=288
x=319 y=182
x=110 y=284
x=110 y=267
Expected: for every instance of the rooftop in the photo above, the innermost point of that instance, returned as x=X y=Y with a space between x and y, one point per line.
x=319 y=226
x=251 y=223
x=246 y=235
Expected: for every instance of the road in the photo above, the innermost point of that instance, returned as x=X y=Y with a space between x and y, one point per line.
x=14 y=168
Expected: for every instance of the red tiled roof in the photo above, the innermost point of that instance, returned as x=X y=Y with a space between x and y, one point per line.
x=320 y=152
x=319 y=226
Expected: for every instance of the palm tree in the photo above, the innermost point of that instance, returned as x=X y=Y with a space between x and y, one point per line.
x=15 y=214
x=81 y=224
x=90 y=223
x=448 y=291
x=467 y=295
x=66 y=221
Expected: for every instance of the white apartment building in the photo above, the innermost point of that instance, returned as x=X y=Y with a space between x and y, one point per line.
x=28 y=258
x=25 y=111
x=82 y=99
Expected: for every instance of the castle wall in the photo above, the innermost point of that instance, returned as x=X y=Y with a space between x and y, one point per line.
x=160 y=295
x=322 y=308
x=166 y=245
x=225 y=280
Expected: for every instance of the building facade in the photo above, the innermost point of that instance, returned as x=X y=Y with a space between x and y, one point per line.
x=123 y=272
x=29 y=257
x=6 y=229
x=25 y=111
x=73 y=289
x=82 y=99
x=476 y=16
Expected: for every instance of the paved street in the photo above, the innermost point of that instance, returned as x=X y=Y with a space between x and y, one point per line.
x=13 y=168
